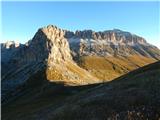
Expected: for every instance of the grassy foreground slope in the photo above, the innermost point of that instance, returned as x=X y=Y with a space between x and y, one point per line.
x=132 y=96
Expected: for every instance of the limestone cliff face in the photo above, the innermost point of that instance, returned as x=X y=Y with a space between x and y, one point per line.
x=49 y=44
x=57 y=45
x=109 y=35
x=110 y=43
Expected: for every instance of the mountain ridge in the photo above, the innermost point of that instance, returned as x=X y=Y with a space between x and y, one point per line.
x=111 y=42
x=69 y=34
x=62 y=58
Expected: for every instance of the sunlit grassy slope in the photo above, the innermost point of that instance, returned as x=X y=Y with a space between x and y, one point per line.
x=108 y=68
x=70 y=74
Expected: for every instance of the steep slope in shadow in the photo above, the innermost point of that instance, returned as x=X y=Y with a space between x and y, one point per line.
x=135 y=95
x=39 y=93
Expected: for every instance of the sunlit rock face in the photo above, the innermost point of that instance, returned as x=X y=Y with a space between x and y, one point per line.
x=57 y=46
x=110 y=43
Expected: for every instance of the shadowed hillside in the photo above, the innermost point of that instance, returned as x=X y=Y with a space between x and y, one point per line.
x=132 y=96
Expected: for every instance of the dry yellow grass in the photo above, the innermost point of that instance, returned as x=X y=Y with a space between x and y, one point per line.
x=54 y=74
x=103 y=68
x=70 y=74
x=108 y=68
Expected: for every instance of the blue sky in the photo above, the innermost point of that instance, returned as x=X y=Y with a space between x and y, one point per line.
x=20 y=20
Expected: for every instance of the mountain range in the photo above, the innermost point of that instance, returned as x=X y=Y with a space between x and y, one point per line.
x=58 y=64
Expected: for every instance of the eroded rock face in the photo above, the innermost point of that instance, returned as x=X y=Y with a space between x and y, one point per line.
x=48 y=45
x=109 y=35
x=110 y=43
x=56 y=44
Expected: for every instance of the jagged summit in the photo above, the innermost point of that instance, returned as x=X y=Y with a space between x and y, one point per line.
x=108 y=35
x=87 y=42
x=50 y=42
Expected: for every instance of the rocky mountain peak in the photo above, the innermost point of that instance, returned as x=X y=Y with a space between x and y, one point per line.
x=49 y=43
x=53 y=44
x=85 y=34
x=123 y=36
x=10 y=45
x=110 y=35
